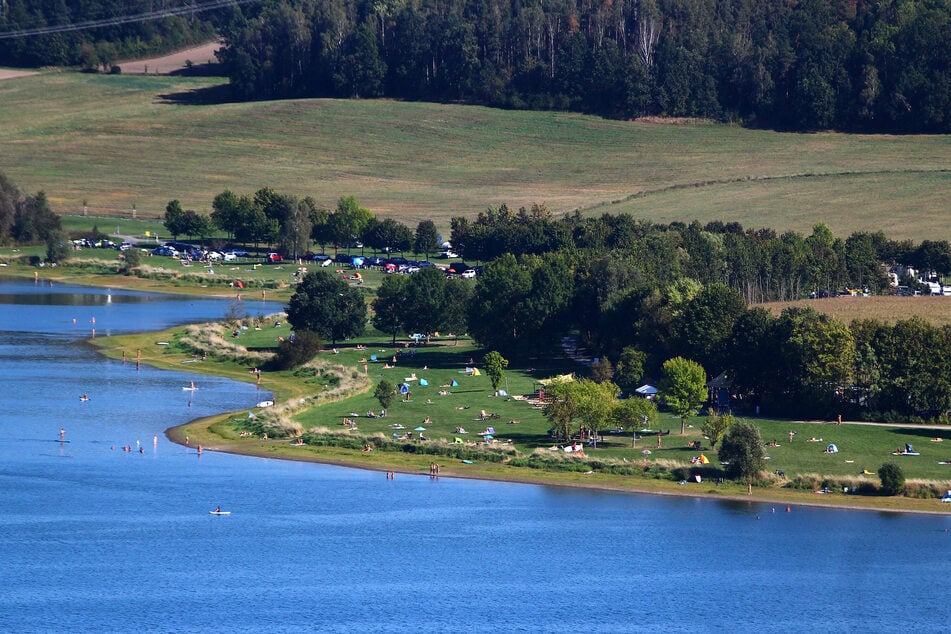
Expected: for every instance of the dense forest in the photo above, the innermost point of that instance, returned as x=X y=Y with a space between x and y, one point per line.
x=861 y=65
x=876 y=65
x=130 y=29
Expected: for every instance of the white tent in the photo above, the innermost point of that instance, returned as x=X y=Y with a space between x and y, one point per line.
x=647 y=390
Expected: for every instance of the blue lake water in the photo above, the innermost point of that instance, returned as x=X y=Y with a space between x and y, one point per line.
x=95 y=539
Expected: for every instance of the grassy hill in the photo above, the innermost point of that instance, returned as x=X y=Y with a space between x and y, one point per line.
x=120 y=142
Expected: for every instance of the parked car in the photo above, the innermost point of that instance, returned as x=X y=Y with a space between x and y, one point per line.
x=229 y=256
x=169 y=251
x=468 y=274
x=319 y=257
x=426 y=264
x=273 y=258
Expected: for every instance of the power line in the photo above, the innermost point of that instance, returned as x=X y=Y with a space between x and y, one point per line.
x=125 y=19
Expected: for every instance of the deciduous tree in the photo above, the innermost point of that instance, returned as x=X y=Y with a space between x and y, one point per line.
x=495 y=364
x=684 y=387
x=327 y=305
x=742 y=449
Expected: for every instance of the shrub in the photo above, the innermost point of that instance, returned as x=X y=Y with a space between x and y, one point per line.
x=892 y=477
x=296 y=352
x=131 y=258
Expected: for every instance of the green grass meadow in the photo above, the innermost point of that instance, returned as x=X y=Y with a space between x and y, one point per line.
x=124 y=142
x=516 y=420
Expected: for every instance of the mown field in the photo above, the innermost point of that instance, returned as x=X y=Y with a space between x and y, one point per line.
x=888 y=309
x=134 y=142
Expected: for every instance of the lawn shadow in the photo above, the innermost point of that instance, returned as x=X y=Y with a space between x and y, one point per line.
x=922 y=433
x=207 y=96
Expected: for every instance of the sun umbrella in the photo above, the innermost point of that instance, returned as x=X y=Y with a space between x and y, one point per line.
x=420 y=429
x=646 y=452
x=488 y=436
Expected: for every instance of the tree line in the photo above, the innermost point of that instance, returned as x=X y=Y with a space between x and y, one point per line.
x=759 y=264
x=812 y=64
x=293 y=224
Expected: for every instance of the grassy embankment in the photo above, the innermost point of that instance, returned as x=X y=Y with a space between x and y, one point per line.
x=861 y=447
x=120 y=142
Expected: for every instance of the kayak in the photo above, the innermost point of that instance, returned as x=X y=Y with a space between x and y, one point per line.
x=220 y=512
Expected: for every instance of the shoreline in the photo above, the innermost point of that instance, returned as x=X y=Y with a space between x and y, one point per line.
x=406 y=465
x=410 y=464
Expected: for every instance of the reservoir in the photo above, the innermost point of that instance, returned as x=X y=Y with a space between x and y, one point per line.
x=96 y=539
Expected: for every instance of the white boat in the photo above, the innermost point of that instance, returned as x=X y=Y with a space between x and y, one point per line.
x=265 y=404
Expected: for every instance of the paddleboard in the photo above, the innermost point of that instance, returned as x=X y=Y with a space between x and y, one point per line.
x=189 y=389
x=220 y=512
x=265 y=404
x=161 y=343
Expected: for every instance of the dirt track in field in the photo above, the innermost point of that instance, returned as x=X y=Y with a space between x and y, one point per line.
x=153 y=66
x=170 y=63
x=10 y=73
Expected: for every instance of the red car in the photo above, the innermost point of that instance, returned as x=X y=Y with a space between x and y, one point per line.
x=273 y=258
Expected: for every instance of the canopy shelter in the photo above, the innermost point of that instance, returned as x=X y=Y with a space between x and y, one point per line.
x=719 y=389
x=647 y=390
